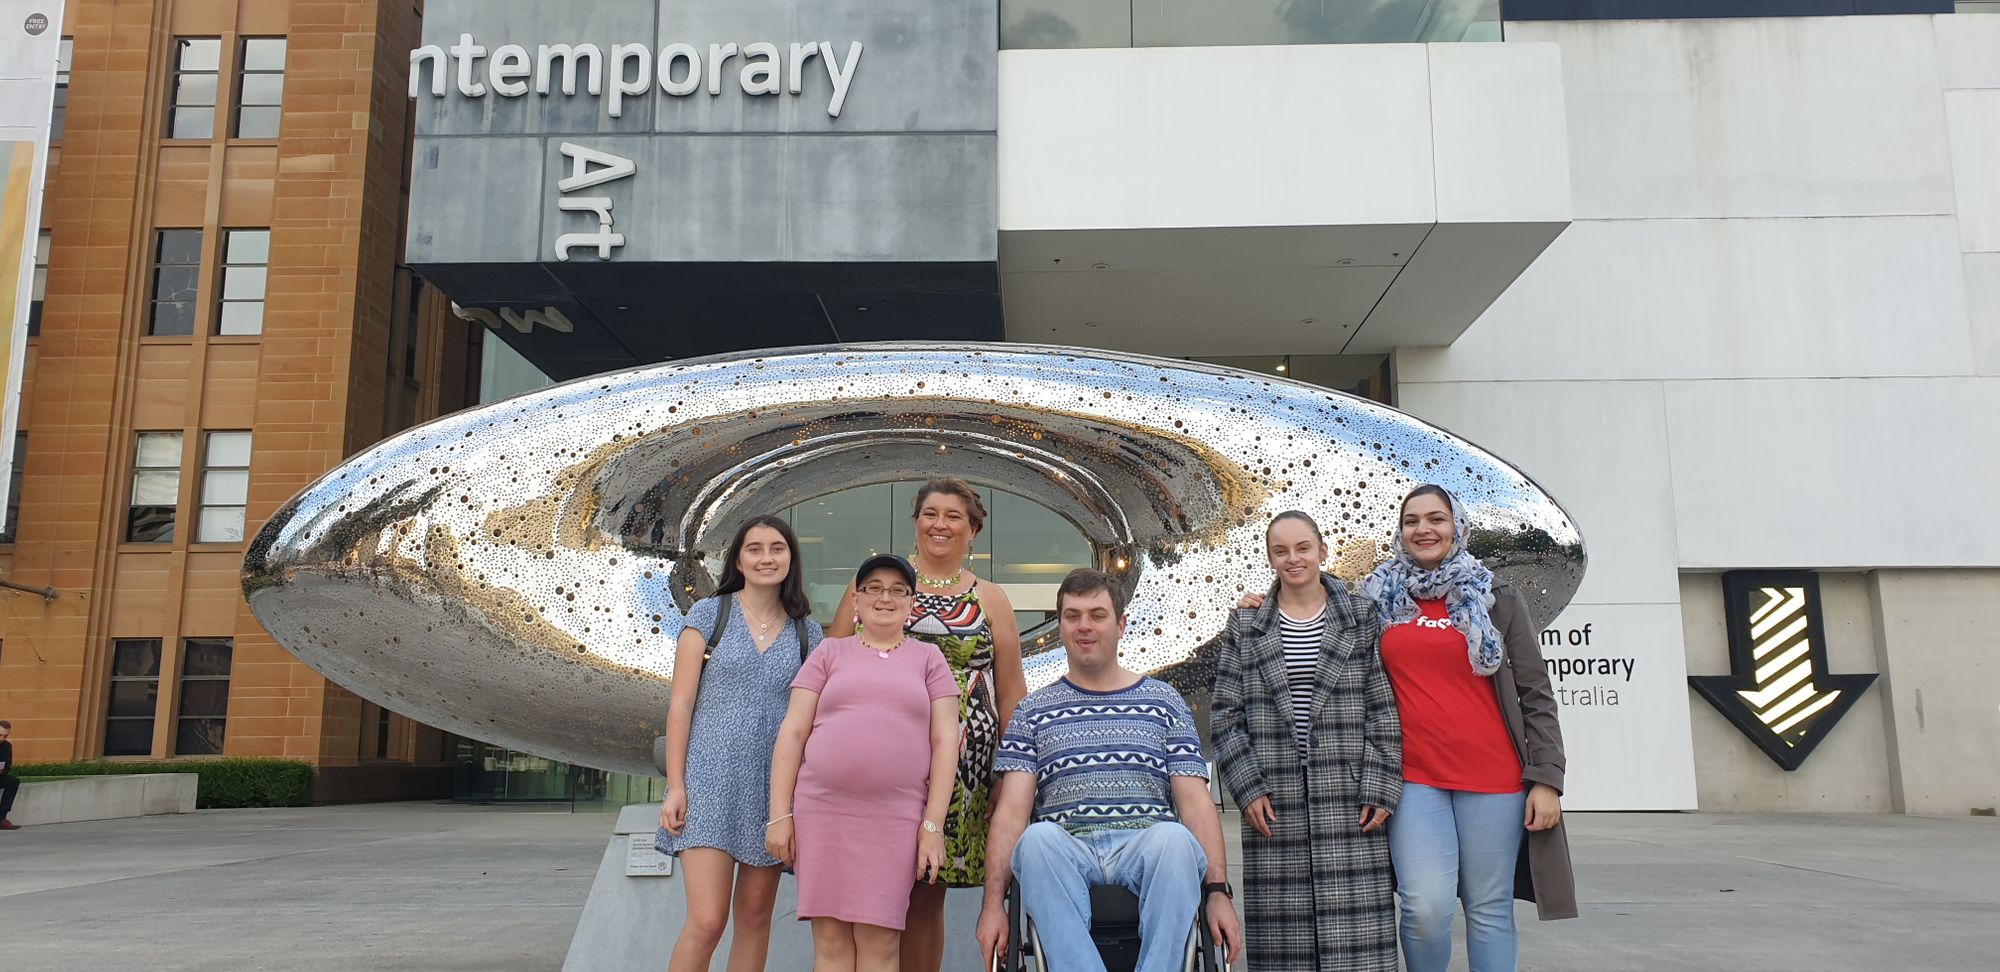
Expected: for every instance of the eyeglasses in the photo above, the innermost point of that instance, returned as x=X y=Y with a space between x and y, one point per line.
x=877 y=590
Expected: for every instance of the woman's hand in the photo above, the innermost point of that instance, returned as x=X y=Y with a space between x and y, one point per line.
x=1372 y=818
x=780 y=842
x=1544 y=807
x=1260 y=816
x=1251 y=601
x=930 y=856
x=674 y=811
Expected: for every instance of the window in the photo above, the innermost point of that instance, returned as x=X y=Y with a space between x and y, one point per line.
x=41 y=283
x=176 y=277
x=381 y=733
x=260 y=87
x=61 y=112
x=204 y=696
x=225 y=483
x=135 y=697
x=192 y=113
x=245 y=254
x=8 y=531
x=156 y=488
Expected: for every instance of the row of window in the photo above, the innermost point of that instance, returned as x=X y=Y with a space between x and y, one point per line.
x=156 y=488
x=191 y=103
x=174 y=310
x=134 y=704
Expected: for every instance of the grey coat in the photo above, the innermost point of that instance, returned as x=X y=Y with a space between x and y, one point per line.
x=1529 y=708
x=1318 y=894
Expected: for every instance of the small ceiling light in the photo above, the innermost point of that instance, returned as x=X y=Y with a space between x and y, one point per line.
x=1093 y=323
x=624 y=307
x=1281 y=366
x=1346 y=261
x=1100 y=266
x=861 y=308
x=1308 y=320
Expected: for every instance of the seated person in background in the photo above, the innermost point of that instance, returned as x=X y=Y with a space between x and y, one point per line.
x=1107 y=764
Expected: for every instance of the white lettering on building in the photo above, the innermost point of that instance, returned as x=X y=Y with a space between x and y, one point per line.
x=629 y=70
x=589 y=167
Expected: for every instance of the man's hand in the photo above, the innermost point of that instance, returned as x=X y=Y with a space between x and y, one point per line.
x=674 y=811
x=1260 y=816
x=1544 y=807
x=992 y=934
x=1222 y=924
x=1372 y=818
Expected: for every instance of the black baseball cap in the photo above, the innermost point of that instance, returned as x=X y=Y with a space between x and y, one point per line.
x=891 y=561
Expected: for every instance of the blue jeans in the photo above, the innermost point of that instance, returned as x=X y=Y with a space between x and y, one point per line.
x=1450 y=845
x=1163 y=864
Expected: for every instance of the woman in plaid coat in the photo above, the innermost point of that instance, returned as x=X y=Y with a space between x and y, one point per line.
x=1305 y=730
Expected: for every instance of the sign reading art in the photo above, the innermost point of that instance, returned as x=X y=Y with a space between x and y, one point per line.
x=629 y=70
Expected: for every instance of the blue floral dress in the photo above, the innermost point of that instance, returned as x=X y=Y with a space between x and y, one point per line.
x=742 y=700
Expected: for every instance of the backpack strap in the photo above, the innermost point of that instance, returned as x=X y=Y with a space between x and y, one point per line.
x=722 y=606
x=799 y=625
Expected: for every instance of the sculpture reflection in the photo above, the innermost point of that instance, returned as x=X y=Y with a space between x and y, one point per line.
x=517 y=572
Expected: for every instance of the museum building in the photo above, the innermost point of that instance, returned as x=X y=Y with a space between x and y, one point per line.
x=1724 y=278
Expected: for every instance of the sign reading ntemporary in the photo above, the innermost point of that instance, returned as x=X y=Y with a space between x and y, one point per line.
x=628 y=70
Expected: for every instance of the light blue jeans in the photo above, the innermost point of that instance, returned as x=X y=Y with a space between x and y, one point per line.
x=1450 y=845
x=1163 y=864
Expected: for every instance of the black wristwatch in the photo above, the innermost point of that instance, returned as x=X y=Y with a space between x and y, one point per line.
x=1214 y=886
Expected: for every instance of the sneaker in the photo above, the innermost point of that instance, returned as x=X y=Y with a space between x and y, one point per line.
x=9 y=825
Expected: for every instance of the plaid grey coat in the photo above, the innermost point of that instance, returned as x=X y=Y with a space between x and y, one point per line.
x=1318 y=894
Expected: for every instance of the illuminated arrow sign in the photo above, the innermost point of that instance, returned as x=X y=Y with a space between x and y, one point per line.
x=1779 y=692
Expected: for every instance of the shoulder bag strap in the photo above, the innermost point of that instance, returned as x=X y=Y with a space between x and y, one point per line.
x=722 y=605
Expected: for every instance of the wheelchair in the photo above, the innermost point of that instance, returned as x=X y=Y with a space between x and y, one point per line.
x=1114 y=927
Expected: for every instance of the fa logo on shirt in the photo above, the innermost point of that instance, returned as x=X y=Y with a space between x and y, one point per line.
x=1435 y=622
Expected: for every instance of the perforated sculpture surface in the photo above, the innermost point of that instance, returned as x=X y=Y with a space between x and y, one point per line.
x=517 y=572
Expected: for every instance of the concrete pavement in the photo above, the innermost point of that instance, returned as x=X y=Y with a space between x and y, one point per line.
x=422 y=886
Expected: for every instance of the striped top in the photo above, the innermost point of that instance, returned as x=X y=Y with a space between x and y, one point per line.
x=1302 y=643
x=1103 y=760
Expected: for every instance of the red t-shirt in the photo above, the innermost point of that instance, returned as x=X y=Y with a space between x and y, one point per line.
x=1453 y=737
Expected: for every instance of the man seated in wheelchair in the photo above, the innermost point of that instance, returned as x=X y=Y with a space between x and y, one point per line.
x=1107 y=765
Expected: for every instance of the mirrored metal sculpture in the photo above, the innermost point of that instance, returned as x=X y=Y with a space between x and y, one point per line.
x=517 y=573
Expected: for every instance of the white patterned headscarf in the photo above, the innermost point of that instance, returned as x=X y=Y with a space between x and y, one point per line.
x=1464 y=583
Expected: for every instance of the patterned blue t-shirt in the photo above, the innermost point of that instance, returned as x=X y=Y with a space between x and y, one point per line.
x=1102 y=759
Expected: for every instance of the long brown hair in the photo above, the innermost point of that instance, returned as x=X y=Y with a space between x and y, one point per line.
x=791 y=590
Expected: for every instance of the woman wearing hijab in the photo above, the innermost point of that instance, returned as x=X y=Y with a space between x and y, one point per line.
x=1482 y=749
x=1304 y=723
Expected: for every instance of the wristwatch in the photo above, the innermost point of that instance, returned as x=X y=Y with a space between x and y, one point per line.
x=931 y=828
x=1214 y=886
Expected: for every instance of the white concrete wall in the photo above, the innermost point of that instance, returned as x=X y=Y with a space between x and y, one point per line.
x=1771 y=335
x=1941 y=685
x=104 y=798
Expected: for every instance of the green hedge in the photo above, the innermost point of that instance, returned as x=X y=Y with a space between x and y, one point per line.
x=236 y=781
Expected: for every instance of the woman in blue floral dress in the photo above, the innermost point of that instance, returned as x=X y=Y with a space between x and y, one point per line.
x=722 y=723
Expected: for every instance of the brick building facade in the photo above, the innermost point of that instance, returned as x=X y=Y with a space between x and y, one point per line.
x=225 y=318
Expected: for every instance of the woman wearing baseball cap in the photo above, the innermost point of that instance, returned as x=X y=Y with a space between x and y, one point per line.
x=863 y=773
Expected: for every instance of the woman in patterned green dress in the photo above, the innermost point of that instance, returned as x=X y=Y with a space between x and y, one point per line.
x=972 y=623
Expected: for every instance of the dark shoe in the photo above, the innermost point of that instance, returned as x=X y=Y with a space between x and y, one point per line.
x=9 y=825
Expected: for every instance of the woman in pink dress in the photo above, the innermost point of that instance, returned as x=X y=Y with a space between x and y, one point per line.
x=862 y=775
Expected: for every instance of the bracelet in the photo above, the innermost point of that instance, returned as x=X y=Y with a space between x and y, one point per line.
x=768 y=824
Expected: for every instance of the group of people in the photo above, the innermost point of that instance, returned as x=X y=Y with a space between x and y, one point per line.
x=1409 y=724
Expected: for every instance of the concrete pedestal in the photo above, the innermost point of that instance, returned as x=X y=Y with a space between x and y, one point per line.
x=630 y=923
